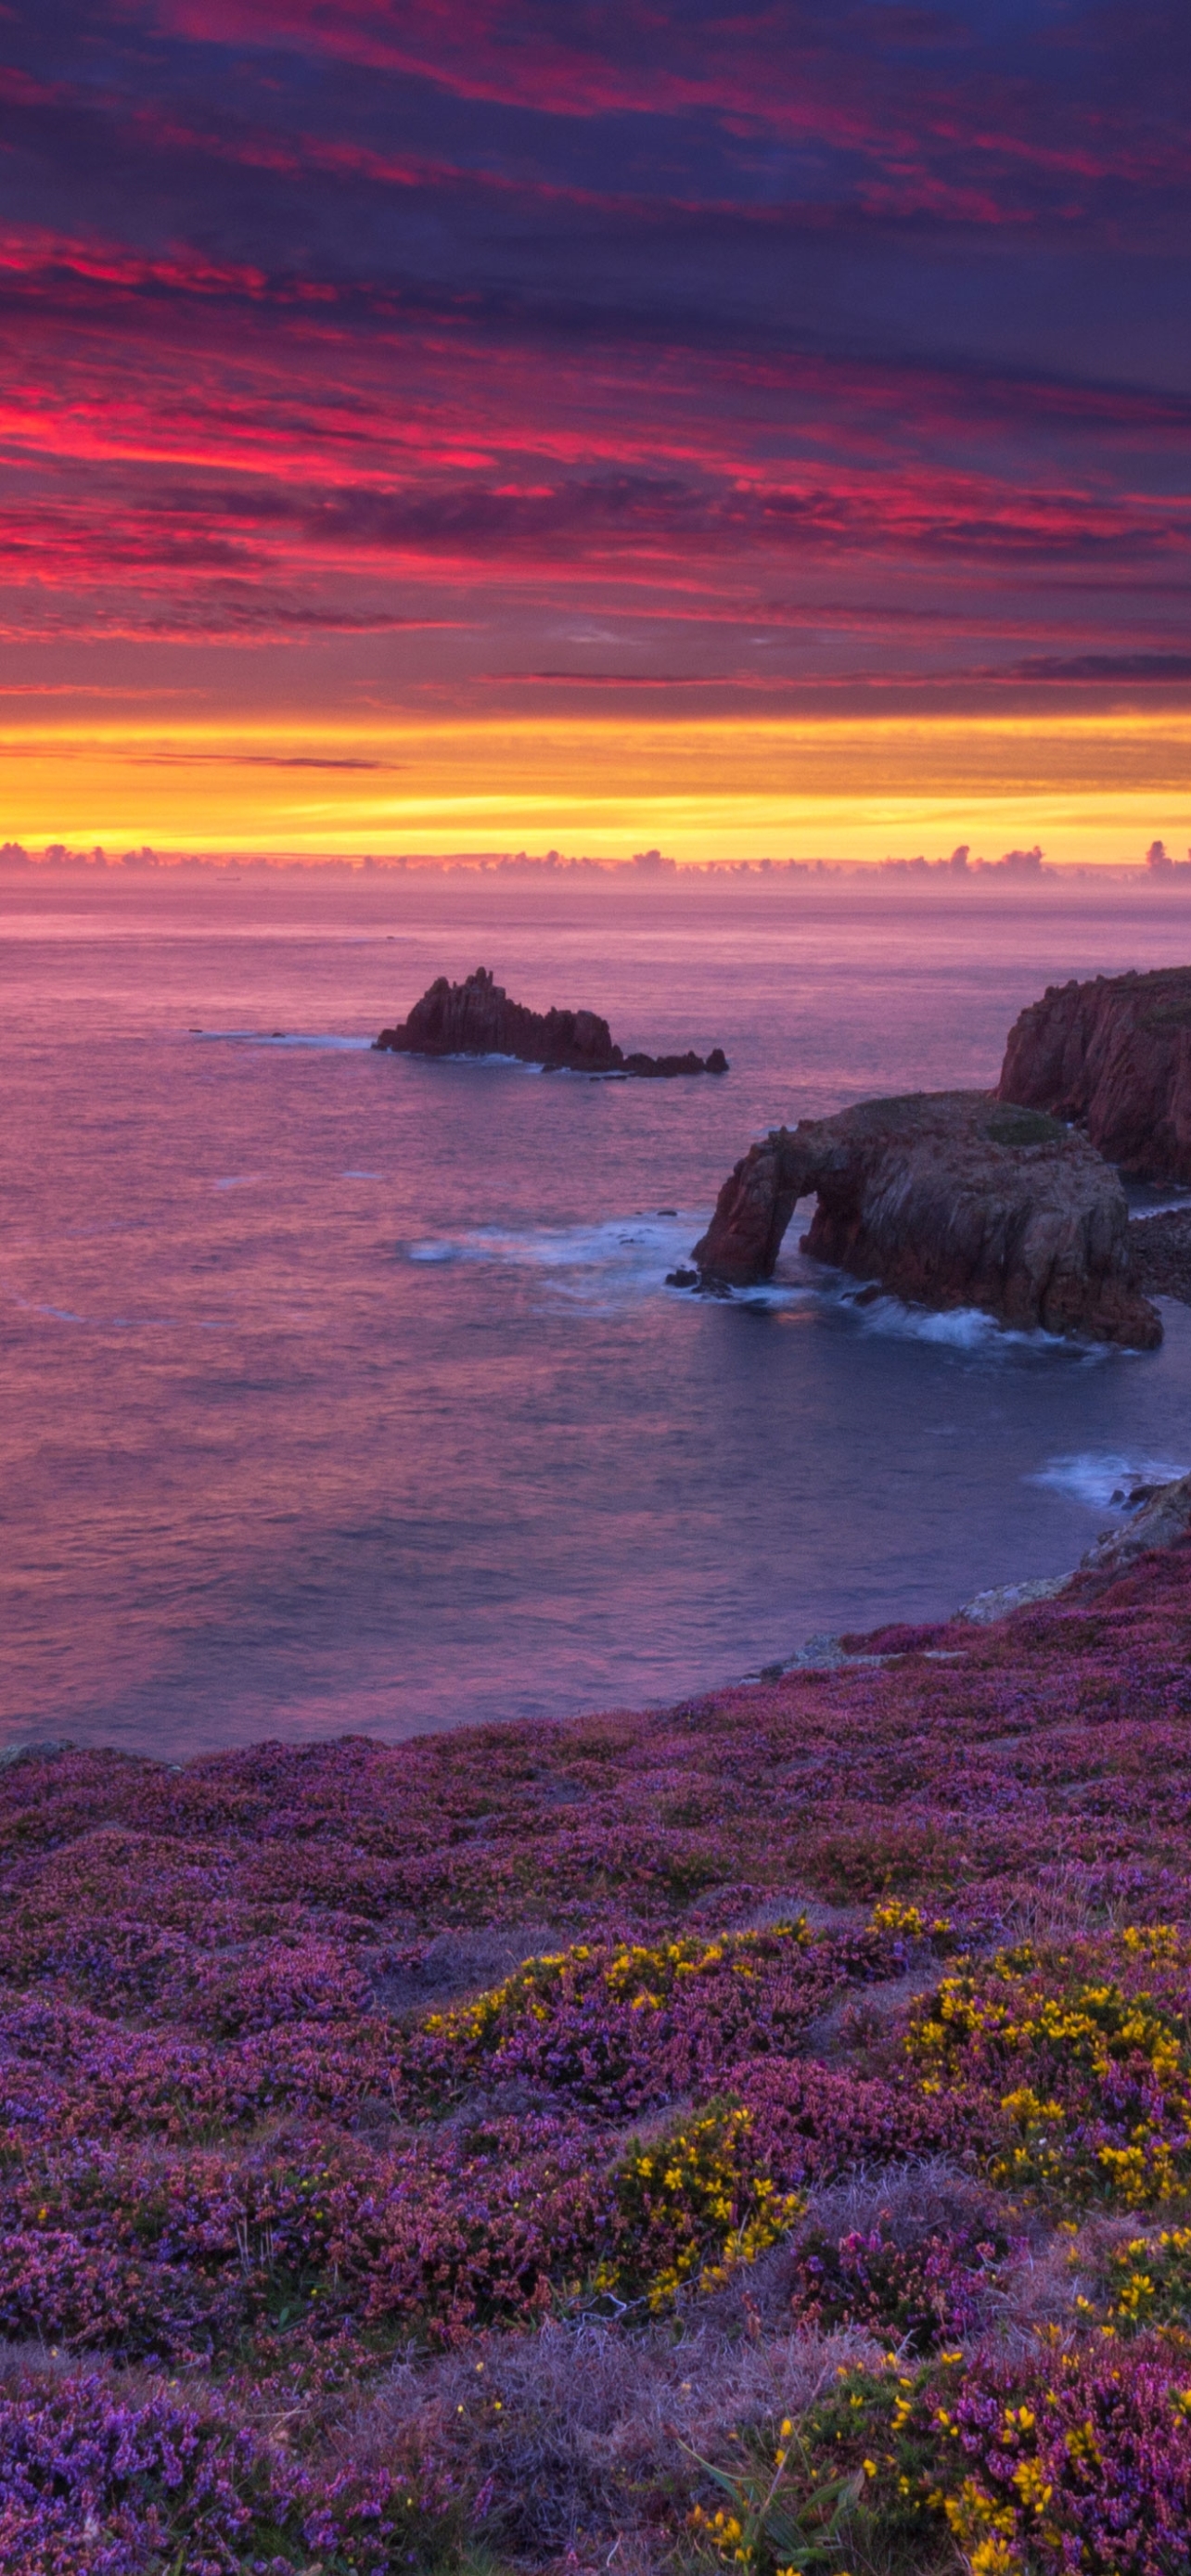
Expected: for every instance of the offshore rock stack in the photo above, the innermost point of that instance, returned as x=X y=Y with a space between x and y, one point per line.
x=477 y=1018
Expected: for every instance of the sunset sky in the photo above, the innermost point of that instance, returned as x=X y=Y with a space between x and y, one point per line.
x=440 y=427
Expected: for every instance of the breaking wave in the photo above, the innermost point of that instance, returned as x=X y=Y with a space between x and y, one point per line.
x=623 y=1259
x=324 y=1039
x=1103 y=1478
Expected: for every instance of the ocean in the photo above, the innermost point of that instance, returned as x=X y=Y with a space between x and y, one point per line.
x=345 y=1392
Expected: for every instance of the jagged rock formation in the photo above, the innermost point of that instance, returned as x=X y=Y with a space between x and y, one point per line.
x=946 y=1199
x=477 y=1018
x=1115 y=1057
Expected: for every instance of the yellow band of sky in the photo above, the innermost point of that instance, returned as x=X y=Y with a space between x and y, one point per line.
x=1089 y=786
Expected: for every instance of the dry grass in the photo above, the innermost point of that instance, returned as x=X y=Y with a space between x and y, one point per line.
x=573 y=2437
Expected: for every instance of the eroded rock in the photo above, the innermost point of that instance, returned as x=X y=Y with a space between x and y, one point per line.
x=477 y=1018
x=1113 y=1055
x=948 y=1199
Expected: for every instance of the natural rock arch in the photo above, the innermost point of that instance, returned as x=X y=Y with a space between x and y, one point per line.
x=947 y=1199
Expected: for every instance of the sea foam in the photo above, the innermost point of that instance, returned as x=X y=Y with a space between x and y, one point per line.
x=1099 y=1476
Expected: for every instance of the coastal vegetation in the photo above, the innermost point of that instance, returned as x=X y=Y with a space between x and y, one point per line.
x=754 y=2134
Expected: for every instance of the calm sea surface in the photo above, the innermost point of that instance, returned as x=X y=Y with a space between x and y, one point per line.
x=342 y=1391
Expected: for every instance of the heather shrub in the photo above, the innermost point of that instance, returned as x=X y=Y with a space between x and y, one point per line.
x=74 y=2073
x=87 y=2483
x=616 y=2029
x=53 y=2283
x=896 y=1638
x=472 y=2228
x=101 y=2484
x=94 y=2483
x=1072 y=2461
x=813 y=2122
x=920 y=2294
x=299 y=1980
x=886 y=1859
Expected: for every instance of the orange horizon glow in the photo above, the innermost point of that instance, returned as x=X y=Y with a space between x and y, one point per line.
x=1092 y=789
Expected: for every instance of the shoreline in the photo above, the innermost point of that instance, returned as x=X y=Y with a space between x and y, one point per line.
x=1159 y=1519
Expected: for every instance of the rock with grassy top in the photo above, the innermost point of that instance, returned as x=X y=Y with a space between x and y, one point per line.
x=947 y=1199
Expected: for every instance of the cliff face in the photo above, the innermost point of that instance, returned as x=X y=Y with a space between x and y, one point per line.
x=1115 y=1056
x=947 y=1199
x=477 y=1018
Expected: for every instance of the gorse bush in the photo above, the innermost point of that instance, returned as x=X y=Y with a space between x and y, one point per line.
x=1148 y=2283
x=776 y=2517
x=1093 y=2077
x=1082 y=2461
x=695 y=2206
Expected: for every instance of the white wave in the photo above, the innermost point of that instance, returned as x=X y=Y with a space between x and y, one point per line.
x=1102 y=1477
x=1175 y=1203
x=326 y=1039
x=774 y=1292
x=958 y=1328
x=626 y=1257
x=466 y=1057
x=96 y=1323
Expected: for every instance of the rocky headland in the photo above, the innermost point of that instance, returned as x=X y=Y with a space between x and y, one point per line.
x=1114 y=1057
x=945 y=1199
x=477 y=1018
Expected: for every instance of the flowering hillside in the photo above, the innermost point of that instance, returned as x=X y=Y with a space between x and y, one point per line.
x=754 y=2134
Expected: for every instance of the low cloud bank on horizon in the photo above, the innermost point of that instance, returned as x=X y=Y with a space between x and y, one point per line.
x=646 y=867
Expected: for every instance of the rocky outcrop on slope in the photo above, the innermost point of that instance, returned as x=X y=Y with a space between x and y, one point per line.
x=1114 y=1056
x=1162 y=1521
x=946 y=1199
x=1161 y=1518
x=477 y=1018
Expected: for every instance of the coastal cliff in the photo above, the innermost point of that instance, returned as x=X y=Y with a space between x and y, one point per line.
x=946 y=1199
x=1114 y=1056
x=477 y=1018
